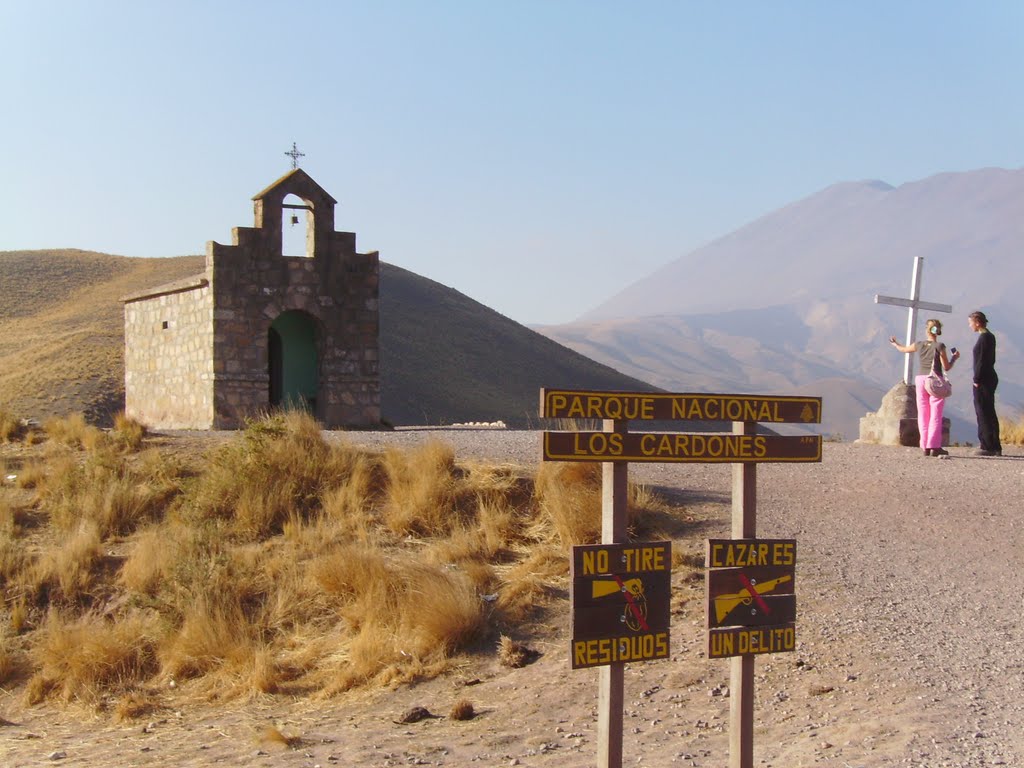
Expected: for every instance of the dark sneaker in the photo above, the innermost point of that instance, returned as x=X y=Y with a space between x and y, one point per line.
x=985 y=452
x=939 y=452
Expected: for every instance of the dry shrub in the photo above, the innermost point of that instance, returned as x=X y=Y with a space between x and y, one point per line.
x=73 y=432
x=273 y=735
x=569 y=496
x=528 y=586
x=280 y=470
x=402 y=615
x=350 y=504
x=135 y=704
x=63 y=572
x=11 y=428
x=462 y=710
x=213 y=637
x=128 y=433
x=1011 y=430
x=151 y=561
x=285 y=563
x=421 y=489
x=650 y=517
x=12 y=661
x=85 y=658
x=9 y=527
x=19 y=616
x=511 y=653
x=32 y=474
x=12 y=557
x=106 y=489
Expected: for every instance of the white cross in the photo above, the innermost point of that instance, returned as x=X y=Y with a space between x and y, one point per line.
x=915 y=304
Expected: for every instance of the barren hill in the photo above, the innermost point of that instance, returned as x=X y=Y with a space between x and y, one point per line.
x=444 y=357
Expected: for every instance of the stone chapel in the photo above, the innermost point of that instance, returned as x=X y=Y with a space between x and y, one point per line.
x=259 y=330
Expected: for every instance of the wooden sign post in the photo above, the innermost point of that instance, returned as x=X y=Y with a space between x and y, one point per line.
x=615 y=447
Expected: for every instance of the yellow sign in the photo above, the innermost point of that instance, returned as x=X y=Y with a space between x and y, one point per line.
x=609 y=650
x=620 y=602
x=648 y=406
x=731 y=553
x=678 y=448
x=744 y=641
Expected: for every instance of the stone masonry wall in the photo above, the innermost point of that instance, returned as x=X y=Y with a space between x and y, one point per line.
x=169 y=358
x=338 y=290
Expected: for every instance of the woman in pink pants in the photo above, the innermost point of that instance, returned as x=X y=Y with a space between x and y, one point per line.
x=929 y=408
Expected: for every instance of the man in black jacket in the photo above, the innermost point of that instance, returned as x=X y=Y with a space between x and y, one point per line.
x=985 y=382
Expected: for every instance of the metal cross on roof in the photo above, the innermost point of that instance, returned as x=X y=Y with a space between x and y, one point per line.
x=295 y=155
x=914 y=303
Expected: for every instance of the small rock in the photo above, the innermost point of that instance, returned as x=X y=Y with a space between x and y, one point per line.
x=415 y=714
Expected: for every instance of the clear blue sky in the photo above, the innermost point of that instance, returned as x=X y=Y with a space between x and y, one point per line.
x=537 y=155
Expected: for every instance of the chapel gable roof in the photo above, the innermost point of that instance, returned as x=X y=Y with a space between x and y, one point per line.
x=296 y=182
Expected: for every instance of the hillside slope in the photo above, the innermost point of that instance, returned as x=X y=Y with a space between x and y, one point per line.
x=444 y=357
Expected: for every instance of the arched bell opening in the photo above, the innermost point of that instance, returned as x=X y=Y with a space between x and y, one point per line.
x=293 y=362
x=296 y=227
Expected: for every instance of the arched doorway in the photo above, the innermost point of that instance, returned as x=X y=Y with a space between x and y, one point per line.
x=292 y=361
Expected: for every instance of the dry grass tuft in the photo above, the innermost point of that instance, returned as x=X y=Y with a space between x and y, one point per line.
x=11 y=428
x=462 y=710
x=128 y=432
x=279 y=563
x=105 y=489
x=74 y=432
x=279 y=471
x=12 y=662
x=82 y=659
x=275 y=736
x=63 y=573
x=134 y=705
x=421 y=485
x=515 y=654
x=569 y=495
x=1011 y=430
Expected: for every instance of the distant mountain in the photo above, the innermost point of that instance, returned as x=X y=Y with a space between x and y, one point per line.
x=444 y=357
x=786 y=303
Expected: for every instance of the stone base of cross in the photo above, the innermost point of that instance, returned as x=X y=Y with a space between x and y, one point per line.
x=895 y=422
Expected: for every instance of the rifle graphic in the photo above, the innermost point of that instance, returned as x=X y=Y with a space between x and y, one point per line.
x=636 y=602
x=726 y=604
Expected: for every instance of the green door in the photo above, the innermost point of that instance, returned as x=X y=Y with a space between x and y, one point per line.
x=292 y=361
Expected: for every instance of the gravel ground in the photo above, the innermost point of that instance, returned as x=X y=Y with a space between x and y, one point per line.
x=908 y=643
x=906 y=564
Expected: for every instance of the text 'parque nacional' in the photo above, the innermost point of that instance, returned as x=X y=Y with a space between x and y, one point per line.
x=565 y=404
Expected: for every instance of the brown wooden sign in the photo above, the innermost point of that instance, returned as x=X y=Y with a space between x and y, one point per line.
x=620 y=603
x=749 y=641
x=680 y=447
x=751 y=600
x=646 y=406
